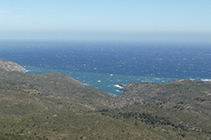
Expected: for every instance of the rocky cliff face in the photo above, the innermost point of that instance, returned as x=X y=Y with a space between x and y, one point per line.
x=11 y=66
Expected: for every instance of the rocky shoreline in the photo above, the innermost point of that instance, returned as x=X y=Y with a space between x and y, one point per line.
x=11 y=66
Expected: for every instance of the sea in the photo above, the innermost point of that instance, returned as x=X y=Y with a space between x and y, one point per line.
x=107 y=65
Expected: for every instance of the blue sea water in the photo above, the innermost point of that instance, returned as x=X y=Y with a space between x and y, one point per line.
x=106 y=65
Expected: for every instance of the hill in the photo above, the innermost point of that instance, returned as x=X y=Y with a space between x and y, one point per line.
x=11 y=66
x=33 y=107
x=55 y=106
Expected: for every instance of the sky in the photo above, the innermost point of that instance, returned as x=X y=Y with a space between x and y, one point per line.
x=101 y=20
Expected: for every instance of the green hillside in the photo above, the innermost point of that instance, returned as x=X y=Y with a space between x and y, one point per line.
x=53 y=106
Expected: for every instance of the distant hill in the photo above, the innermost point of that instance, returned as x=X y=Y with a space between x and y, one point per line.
x=11 y=66
x=56 y=85
x=54 y=106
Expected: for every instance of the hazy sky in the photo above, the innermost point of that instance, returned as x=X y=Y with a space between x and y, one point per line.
x=140 y=20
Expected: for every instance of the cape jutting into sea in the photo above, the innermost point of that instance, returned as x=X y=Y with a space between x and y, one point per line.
x=106 y=65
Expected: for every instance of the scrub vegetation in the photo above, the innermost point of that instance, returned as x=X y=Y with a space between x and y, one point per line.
x=53 y=106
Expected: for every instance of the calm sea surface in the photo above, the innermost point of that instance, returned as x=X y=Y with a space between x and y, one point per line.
x=105 y=65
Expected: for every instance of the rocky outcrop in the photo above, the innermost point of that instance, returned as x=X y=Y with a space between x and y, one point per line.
x=11 y=66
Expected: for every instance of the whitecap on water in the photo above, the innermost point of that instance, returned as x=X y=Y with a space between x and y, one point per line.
x=206 y=80
x=86 y=84
x=118 y=86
